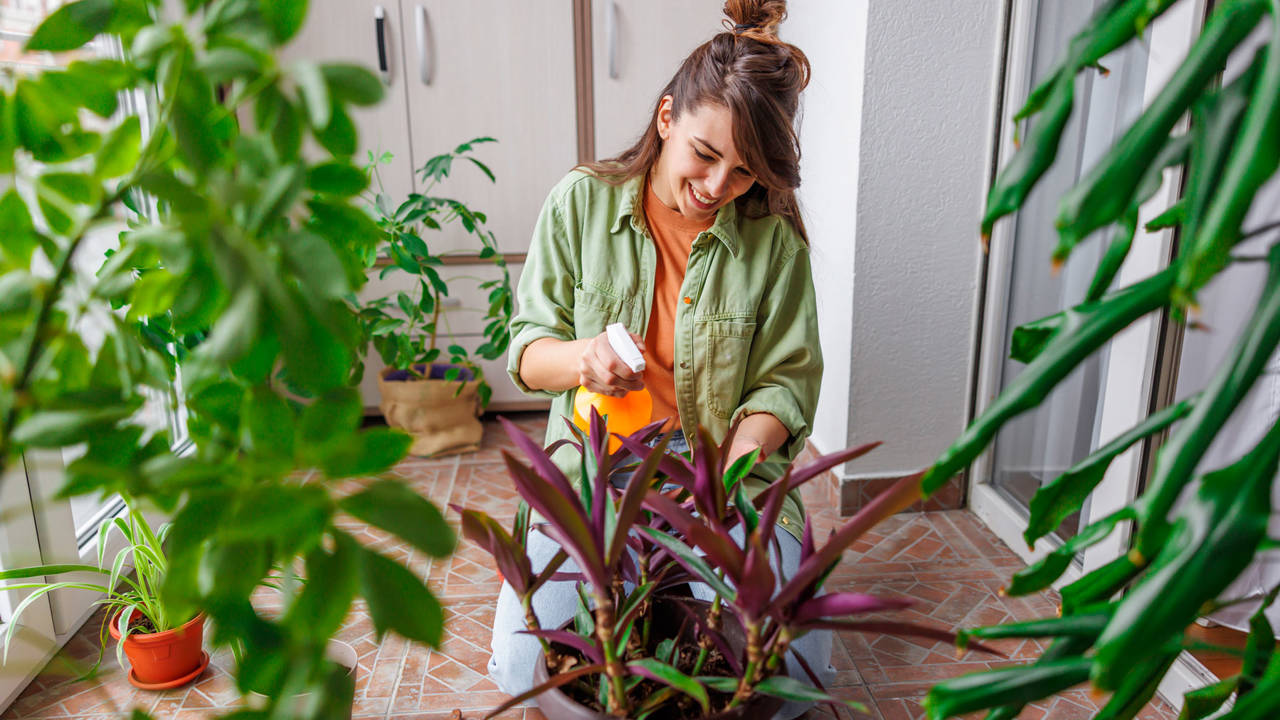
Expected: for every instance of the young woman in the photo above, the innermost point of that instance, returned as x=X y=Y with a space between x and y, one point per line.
x=691 y=239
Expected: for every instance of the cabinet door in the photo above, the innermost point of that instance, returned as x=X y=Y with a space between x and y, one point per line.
x=502 y=69
x=636 y=47
x=347 y=31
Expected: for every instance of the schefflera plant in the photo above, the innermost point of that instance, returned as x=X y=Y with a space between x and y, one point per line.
x=678 y=520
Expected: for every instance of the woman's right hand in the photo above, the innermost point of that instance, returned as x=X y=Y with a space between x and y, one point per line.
x=600 y=370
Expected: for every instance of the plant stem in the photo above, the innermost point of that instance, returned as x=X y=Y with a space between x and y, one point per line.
x=531 y=623
x=604 y=613
x=754 y=655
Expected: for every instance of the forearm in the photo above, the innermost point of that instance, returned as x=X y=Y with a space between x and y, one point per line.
x=758 y=430
x=550 y=364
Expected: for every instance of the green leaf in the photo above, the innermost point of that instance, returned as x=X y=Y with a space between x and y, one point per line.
x=19 y=233
x=284 y=17
x=398 y=599
x=120 y=151
x=291 y=515
x=328 y=420
x=267 y=424
x=394 y=507
x=369 y=452
x=1203 y=702
x=337 y=178
x=58 y=428
x=1058 y=499
x=353 y=84
x=72 y=26
x=1213 y=540
x=314 y=91
x=789 y=688
x=668 y=675
x=1005 y=686
x=693 y=560
x=326 y=599
x=339 y=135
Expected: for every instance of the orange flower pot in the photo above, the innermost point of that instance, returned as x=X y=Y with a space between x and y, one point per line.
x=164 y=659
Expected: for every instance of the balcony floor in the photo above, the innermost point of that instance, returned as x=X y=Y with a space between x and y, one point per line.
x=947 y=560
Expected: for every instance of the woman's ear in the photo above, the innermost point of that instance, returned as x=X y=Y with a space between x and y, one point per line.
x=663 y=120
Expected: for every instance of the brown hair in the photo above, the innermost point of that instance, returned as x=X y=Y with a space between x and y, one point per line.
x=758 y=77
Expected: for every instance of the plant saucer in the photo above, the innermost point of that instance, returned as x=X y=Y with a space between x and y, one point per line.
x=177 y=682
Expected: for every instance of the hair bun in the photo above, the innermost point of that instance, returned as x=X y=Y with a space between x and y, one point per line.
x=762 y=16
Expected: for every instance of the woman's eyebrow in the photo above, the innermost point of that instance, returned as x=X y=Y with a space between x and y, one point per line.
x=709 y=146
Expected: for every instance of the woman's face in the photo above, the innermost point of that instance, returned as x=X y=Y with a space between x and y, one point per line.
x=698 y=170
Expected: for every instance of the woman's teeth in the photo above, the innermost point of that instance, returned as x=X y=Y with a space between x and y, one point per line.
x=700 y=197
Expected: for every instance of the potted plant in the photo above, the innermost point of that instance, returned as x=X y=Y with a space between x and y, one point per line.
x=164 y=650
x=639 y=647
x=436 y=401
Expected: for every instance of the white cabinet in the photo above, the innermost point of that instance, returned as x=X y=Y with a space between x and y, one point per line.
x=347 y=31
x=637 y=45
x=502 y=69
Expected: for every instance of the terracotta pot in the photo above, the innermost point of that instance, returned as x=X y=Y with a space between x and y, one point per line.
x=441 y=419
x=337 y=652
x=164 y=659
x=556 y=704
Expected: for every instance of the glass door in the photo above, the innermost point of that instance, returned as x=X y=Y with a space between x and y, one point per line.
x=34 y=639
x=1110 y=391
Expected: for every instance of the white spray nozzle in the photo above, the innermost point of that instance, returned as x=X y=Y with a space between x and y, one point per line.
x=622 y=344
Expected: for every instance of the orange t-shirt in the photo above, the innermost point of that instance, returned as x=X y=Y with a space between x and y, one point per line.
x=673 y=235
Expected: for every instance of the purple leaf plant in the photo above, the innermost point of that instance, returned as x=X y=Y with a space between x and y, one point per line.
x=676 y=521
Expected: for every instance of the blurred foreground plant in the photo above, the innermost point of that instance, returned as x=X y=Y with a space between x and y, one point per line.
x=1123 y=624
x=227 y=282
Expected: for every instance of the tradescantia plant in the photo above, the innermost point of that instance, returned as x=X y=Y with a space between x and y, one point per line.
x=232 y=254
x=1122 y=625
x=677 y=521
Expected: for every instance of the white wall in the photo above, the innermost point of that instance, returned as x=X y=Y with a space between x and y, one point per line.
x=896 y=139
x=833 y=35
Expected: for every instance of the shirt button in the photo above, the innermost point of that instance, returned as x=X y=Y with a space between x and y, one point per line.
x=688 y=300
x=683 y=364
x=786 y=521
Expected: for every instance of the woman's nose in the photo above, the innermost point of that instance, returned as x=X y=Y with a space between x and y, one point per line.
x=717 y=181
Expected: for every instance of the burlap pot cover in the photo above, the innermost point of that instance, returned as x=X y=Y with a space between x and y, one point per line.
x=441 y=420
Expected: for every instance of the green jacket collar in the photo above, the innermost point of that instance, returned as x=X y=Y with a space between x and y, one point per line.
x=725 y=228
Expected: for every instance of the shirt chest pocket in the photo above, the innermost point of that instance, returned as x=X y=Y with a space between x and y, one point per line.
x=725 y=346
x=595 y=308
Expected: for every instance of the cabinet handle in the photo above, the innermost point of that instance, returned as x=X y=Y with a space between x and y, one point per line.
x=611 y=32
x=380 y=24
x=424 y=57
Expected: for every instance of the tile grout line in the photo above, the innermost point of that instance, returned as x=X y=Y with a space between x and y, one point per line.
x=431 y=562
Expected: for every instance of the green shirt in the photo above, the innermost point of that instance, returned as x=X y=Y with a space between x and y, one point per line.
x=746 y=343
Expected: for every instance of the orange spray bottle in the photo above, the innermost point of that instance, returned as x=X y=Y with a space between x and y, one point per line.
x=623 y=415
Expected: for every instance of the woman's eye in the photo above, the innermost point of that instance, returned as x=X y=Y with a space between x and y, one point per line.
x=743 y=172
x=703 y=156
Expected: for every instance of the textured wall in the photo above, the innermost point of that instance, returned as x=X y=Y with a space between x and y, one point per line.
x=927 y=115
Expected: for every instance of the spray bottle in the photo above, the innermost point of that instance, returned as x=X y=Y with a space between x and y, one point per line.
x=626 y=414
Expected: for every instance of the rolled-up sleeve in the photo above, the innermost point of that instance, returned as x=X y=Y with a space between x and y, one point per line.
x=545 y=292
x=784 y=367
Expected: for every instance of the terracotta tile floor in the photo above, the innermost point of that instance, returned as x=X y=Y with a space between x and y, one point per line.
x=947 y=560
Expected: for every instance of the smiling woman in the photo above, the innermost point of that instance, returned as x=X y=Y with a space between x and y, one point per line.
x=692 y=240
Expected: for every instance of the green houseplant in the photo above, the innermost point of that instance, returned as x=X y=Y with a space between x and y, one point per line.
x=641 y=648
x=231 y=274
x=1123 y=625
x=164 y=649
x=432 y=391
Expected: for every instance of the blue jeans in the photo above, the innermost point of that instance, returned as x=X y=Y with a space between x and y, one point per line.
x=515 y=653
